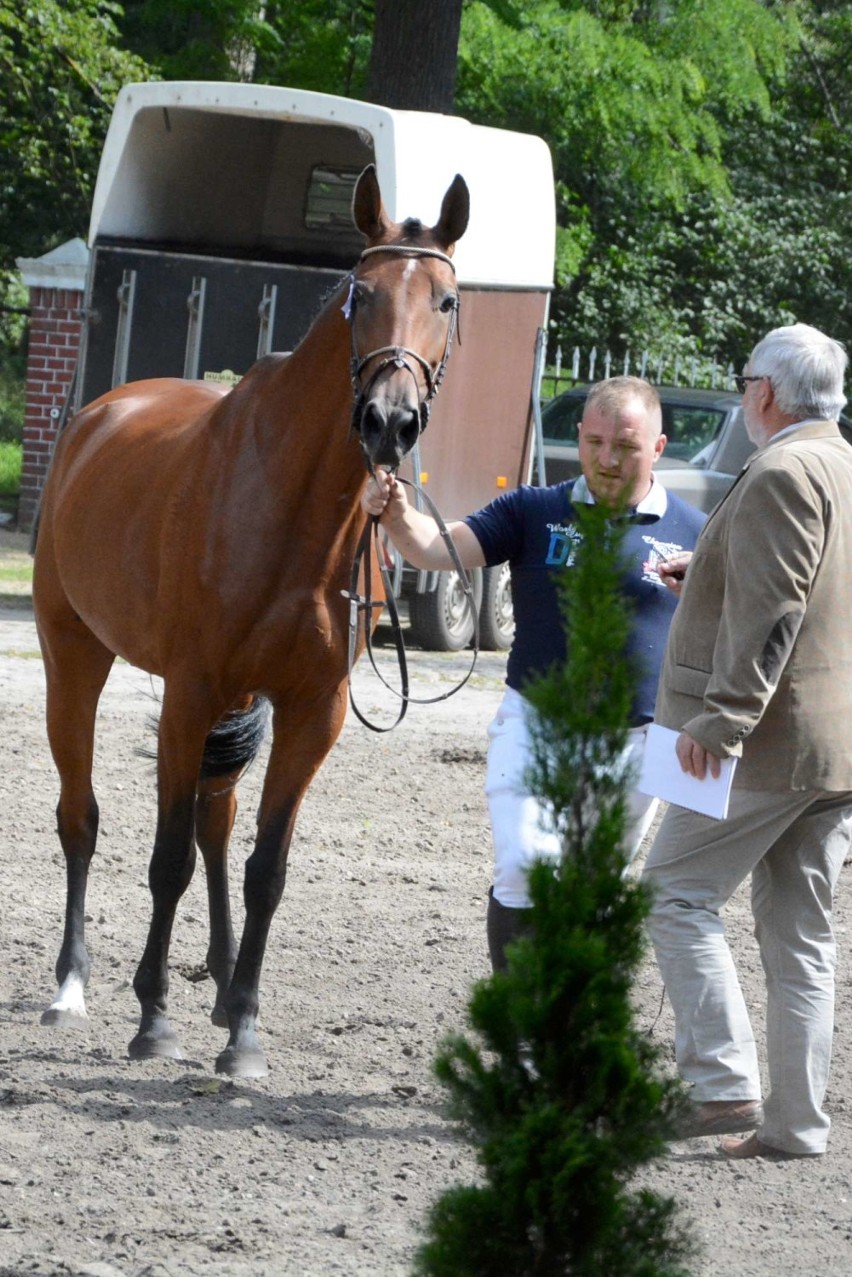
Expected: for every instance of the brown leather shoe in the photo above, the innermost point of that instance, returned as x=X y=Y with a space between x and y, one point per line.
x=753 y=1146
x=719 y=1117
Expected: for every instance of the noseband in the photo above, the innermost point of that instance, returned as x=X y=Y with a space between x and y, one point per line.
x=397 y=356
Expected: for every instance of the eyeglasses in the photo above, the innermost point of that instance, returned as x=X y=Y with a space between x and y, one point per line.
x=741 y=382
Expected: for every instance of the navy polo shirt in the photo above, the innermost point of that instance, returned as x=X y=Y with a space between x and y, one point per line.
x=535 y=530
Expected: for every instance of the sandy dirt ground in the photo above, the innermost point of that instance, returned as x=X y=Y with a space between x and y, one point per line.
x=111 y=1168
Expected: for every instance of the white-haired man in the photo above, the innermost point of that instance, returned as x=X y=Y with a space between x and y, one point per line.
x=759 y=665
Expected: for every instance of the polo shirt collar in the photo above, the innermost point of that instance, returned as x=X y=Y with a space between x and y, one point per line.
x=654 y=504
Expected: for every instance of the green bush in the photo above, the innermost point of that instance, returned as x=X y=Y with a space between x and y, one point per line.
x=10 y=467
x=12 y=387
x=13 y=360
x=560 y=1093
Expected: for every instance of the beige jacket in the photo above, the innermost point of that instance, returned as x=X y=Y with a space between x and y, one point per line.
x=759 y=656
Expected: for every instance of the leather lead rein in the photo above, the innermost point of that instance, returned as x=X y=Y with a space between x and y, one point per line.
x=364 y=605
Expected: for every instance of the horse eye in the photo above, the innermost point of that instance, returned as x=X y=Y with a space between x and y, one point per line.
x=449 y=303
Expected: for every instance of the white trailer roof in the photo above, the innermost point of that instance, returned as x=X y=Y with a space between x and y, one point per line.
x=227 y=166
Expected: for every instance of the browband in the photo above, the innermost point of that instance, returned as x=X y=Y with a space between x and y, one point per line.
x=409 y=248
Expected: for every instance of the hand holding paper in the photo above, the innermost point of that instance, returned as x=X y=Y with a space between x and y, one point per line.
x=694 y=758
x=662 y=777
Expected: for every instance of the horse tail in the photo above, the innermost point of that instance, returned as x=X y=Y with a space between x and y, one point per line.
x=234 y=741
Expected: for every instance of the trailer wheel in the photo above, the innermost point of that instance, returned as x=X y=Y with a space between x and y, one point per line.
x=440 y=620
x=496 y=615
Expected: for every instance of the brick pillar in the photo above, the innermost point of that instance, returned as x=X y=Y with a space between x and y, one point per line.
x=56 y=283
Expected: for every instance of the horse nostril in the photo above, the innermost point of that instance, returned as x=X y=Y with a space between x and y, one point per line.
x=372 y=424
x=409 y=431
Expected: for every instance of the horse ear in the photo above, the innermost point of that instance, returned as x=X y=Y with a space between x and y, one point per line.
x=455 y=211
x=368 y=211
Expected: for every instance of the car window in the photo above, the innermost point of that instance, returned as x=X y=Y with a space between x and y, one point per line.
x=689 y=429
x=560 y=419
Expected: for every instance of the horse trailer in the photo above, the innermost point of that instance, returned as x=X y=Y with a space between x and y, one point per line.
x=221 y=220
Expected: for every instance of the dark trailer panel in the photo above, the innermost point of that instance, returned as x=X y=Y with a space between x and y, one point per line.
x=158 y=314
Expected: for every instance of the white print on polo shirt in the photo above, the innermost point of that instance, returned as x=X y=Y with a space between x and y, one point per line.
x=660 y=550
x=563 y=545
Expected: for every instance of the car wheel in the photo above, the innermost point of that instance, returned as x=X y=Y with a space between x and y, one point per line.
x=496 y=615
x=440 y=620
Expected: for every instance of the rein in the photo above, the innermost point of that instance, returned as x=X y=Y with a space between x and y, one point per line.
x=364 y=604
x=397 y=356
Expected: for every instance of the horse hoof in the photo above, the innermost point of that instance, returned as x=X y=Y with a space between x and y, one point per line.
x=150 y=1046
x=65 y=1018
x=246 y=1063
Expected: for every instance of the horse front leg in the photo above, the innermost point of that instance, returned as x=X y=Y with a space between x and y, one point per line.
x=181 y=741
x=298 y=749
x=265 y=873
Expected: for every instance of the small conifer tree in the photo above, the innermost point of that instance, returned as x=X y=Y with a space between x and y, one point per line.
x=565 y=1099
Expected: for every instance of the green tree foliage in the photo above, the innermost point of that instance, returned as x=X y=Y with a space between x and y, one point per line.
x=783 y=240
x=702 y=148
x=324 y=45
x=316 y=44
x=560 y=1094
x=199 y=39
x=60 y=71
x=622 y=98
x=13 y=328
x=636 y=102
x=710 y=272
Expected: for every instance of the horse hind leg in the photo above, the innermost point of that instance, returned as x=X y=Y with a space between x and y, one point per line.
x=182 y=729
x=229 y=749
x=76 y=669
x=182 y=734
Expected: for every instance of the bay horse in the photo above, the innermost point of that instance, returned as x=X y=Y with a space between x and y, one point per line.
x=206 y=535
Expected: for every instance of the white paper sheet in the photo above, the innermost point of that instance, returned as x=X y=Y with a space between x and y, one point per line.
x=661 y=777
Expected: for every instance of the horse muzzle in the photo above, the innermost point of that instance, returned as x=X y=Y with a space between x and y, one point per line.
x=389 y=431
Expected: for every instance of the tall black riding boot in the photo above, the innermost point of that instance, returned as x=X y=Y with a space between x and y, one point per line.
x=502 y=926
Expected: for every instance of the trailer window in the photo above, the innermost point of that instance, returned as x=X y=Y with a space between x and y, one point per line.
x=330 y=197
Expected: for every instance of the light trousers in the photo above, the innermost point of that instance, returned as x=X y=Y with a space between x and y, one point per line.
x=521 y=827
x=793 y=844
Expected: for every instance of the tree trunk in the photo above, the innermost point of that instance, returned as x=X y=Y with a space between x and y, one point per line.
x=414 y=54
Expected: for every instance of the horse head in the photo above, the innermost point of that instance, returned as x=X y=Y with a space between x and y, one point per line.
x=403 y=308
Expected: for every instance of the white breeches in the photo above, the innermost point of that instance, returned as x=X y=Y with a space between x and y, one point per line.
x=521 y=828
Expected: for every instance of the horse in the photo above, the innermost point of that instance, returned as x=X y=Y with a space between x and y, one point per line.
x=205 y=535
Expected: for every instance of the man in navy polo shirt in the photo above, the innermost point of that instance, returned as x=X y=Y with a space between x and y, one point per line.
x=535 y=530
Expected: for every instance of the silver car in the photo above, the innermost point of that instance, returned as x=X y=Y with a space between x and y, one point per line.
x=707 y=440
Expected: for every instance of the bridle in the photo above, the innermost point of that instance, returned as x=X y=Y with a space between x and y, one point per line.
x=363 y=605
x=396 y=356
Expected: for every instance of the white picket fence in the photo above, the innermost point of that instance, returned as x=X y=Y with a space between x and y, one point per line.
x=660 y=370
